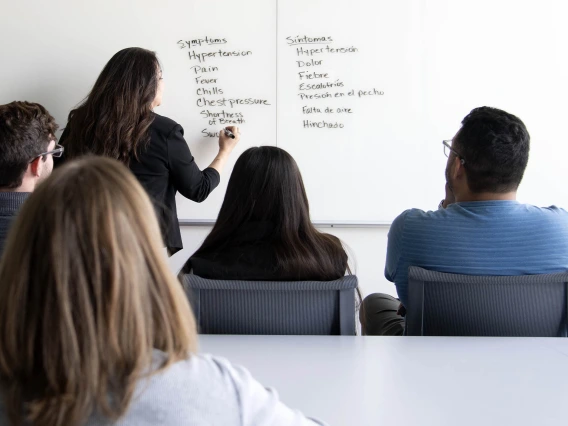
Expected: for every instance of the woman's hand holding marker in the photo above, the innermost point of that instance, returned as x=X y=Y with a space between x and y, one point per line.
x=228 y=139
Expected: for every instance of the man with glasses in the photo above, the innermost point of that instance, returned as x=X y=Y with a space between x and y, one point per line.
x=479 y=228
x=27 y=148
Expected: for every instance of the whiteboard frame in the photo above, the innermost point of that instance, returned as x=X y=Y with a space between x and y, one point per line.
x=317 y=224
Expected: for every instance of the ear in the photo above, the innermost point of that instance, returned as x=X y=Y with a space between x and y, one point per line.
x=458 y=169
x=35 y=167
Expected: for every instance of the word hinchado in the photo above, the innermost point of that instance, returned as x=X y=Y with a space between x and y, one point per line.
x=322 y=125
x=199 y=41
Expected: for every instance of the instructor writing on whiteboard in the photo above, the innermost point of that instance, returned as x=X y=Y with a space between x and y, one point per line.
x=117 y=120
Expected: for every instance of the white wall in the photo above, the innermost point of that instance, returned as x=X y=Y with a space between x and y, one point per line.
x=366 y=247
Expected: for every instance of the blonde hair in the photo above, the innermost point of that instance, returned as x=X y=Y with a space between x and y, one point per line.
x=86 y=294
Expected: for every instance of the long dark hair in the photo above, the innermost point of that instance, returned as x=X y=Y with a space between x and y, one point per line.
x=266 y=186
x=114 y=119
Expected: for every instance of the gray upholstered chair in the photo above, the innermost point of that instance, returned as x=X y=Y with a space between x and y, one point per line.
x=442 y=304
x=273 y=307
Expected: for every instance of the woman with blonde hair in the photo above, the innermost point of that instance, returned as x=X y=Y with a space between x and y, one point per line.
x=94 y=327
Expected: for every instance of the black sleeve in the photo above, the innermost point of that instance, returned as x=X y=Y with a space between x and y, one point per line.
x=186 y=176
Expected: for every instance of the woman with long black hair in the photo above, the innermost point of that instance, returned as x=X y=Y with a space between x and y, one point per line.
x=263 y=231
x=116 y=120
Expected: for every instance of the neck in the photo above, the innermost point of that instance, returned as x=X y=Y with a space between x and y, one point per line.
x=26 y=186
x=487 y=196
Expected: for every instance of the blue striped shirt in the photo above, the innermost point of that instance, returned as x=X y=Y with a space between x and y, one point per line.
x=478 y=238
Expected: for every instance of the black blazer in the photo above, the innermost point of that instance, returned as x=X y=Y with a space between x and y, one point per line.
x=164 y=167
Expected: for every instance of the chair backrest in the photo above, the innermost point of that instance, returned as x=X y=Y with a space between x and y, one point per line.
x=442 y=304
x=273 y=307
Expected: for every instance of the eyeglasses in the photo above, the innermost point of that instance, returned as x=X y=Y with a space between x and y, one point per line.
x=56 y=152
x=448 y=149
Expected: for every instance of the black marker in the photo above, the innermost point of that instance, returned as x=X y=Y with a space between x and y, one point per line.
x=229 y=133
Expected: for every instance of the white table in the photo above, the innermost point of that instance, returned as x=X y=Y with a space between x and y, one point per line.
x=414 y=381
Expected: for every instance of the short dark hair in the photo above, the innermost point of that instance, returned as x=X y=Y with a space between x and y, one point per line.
x=26 y=129
x=495 y=146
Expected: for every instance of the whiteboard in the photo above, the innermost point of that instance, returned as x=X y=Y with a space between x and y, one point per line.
x=407 y=72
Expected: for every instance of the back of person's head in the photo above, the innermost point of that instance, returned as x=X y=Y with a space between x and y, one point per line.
x=26 y=130
x=86 y=295
x=495 y=147
x=266 y=186
x=114 y=119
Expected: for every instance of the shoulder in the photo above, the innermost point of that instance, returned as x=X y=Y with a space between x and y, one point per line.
x=194 y=387
x=331 y=239
x=416 y=222
x=164 y=125
x=551 y=214
x=211 y=375
x=410 y=214
x=552 y=210
x=201 y=366
x=336 y=243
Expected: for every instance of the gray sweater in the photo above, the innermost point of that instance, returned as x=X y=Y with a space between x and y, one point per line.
x=10 y=203
x=202 y=391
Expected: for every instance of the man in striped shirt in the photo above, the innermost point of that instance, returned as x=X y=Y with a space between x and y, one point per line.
x=479 y=228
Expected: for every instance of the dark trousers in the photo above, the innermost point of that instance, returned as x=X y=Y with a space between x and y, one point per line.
x=379 y=317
